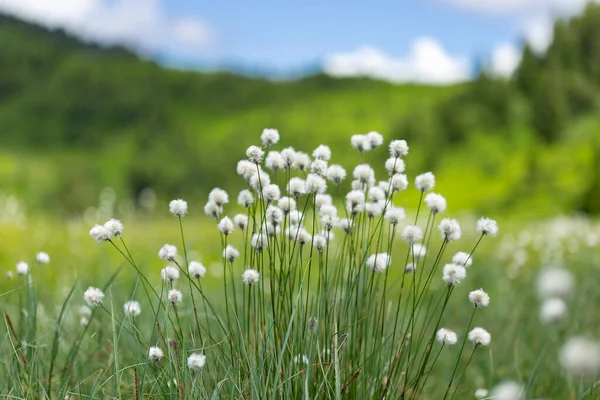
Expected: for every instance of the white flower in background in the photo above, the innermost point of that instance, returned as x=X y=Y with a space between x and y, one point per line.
x=319 y=167
x=250 y=277
x=355 y=201
x=274 y=161
x=219 y=196
x=274 y=215
x=410 y=268
x=178 y=207
x=245 y=198
x=269 y=137
x=425 y=182
x=301 y=161
x=259 y=241
x=580 y=356
x=9 y=275
x=356 y=185
x=553 y=310
x=100 y=234
x=22 y=268
x=375 y=139
x=508 y=390
x=42 y=258
x=379 y=262
x=196 y=362
x=555 y=282
x=323 y=200
x=301 y=359
x=446 y=337
x=255 y=154
x=196 y=269
x=319 y=241
x=169 y=273
x=328 y=210
x=394 y=166
x=419 y=250
x=360 y=143
x=225 y=226
x=296 y=187
x=481 y=393
x=450 y=229
x=168 y=252
x=241 y=221
x=114 y=226
x=83 y=321
x=373 y=209
x=322 y=152
x=376 y=195
x=398 y=182
x=398 y=148
x=327 y=234
x=271 y=193
x=479 y=298
x=132 y=308
x=93 y=296
x=288 y=155
x=480 y=337
x=412 y=234
x=213 y=210
x=435 y=202
x=385 y=186
x=174 y=296
x=286 y=204
x=85 y=311
x=487 y=226
x=364 y=174
x=454 y=274
x=295 y=217
x=315 y=184
x=335 y=174
x=303 y=237
x=230 y=253
x=345 y=225
x=394 y=215
x=155 y=354
x=246 y=169
x=462 y=258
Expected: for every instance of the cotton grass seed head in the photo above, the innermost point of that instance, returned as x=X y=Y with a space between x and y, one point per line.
x=245 y=198
x=373 y=209
x=315 y=184
x=9 y=275
x=394 y=166
x=450 y=229
x=114 y=226
x=288 y=155
x=296 y=187
x=319 y=167
x=196 y=362
x=379 y=262
x=487 y=226
x=480 y=337
x=241 y=221
x=213 y=210
x=555 y=282
x=375 y=139
x=345 y=225
x=322 y=152
x=132 y=308
x=286 y=204
x=245 y=169
x=85 y=311
x=22 y=268
x=453 y=274
x=364 y=174
x=83 y=321
x=507 y=390
x=360 y=143
x=435 y=202
x=301 y=161
x=323 y=200
x=274 y=161
x=376 y=194
x=250 y=277
x=462 y=258
x=218 y=196
x=42 y=258
x=100 y=234
x=169 y=273
x=274 y=215
x=196 y=269
x=398 y=148
x=255 y=154
x=259 y=241
x=398 y=182
x=394 y=215
x=553 y=311
x=178 y=207
x=230 y=253
x=580 y=356
x=335 y=174
x=327 y=210
x=269 y=137
x=320 y=242
x=175 y=296
x=93 y=296
x=225 y=226
x=155 y=354
x=446 y=337
x=168 y=252
x=479 y=298
x=410 y=268
x=271 y=193
x=425 y=182
x=412 y=234
x=481 y=393
x=419 y=250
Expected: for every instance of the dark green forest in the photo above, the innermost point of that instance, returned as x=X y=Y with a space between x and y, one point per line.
x=76 y=117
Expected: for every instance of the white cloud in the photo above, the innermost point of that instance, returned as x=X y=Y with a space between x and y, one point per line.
x=427 y=62
x=140 y=23
x=505 y=60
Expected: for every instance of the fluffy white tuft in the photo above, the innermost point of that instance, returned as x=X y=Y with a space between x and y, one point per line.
x=22 y=268
x=580 y=356
x=487 y=226
x=100 y=234
x=507 y=390
x=322 y=153
x=425 y=182
x=196 y=361
x=155 y=354
x=219 y=196
x=398 y=148
x=379 y=262
x=255 y=154
x=454 y=274
x=132 y=308
x=274 y=161
x=553 y=310
x=169 y=273
x=175 y=296
x=480 y=337
x=230 y=253
x=435 y=202
x=225 y=226
x=462 y=258
x=114 y=226
x=245 y=198
x=412 y=234
x=168 y=252
x=446 y=337
x=555 y=282
x=250 y=277
x=479 y=298
x=269 y=137
x=196 y=269
x=93 y=296
x=394 y=215
x=178 y=207
x=450 y=229
x=296 y=187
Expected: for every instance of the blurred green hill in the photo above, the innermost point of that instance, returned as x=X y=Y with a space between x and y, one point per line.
x=77 y=117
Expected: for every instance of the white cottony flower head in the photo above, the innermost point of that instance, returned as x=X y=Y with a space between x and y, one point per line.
x=168 y=252
x=327 y=210
x=245 y=169
x=450 y=229
x=175 y=296
x=319 y=167
x=453 y=274
x=394 y=215
x=319 y=241
x=295 y=217
x=336 y=174
x=345 y=225
x=271 y=193
x=250 y=277
x=230 y=253
x=259 y=241
x=196 y=269
x=241 y=221
x=555 y=282
x=274 y=161
x=373 y=209
x=462 y=258
x=507 y=390
x=155 y=354
x=301 y=161
x=100 y=234
x=410 y=268
x=394 y=166
x=553 y=310
x=487 y=226
x=481 y=393
x=178 y=207
x=225 y=226
x=315 y=184
x=323 y=200
x=245 y=198
x=376 y=194
x=303 y=237
x=219 y=196
x=196 y=361
x=114 y=226
x=9 y=275
x=419 y=250
x=479 y=298
x=385 y=186
x=93 y=296
x=132 y=308
x=269 y=137
x=446 y=337
x=375 y=139
x=435 y=202
x=360 y=143
x=412 y=234
x=288 y=155
x=364 y=174
x=356 y=185
x=42 y=258
x=480 y=337
x=274 y=215
x=425 y=182
x=213 y=210
x=398 y=182
x=296 y=187
x=85 y=311
x=22 y=268
x=398 y=148
x=355 y=198
x=255 y=154
x=84 y=321
x=322 y=153
x=580 y=356
x=379 y=262
x=169 y=273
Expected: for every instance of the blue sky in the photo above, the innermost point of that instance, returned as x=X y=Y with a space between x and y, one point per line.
x=433 y=41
